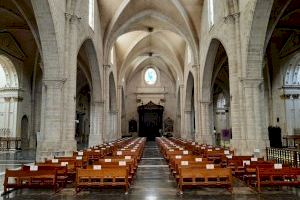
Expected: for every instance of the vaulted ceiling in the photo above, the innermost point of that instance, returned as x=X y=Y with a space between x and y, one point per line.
x=151 y=32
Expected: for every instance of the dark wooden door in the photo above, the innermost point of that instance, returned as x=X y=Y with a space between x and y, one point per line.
x=150 y=120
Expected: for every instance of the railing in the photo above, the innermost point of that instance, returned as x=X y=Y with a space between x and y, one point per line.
x=284 y=156
x=10 y=143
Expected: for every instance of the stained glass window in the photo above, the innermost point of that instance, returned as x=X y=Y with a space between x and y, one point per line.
x=150 y=76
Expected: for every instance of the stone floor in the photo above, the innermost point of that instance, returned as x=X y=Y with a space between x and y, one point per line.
x=152 y=182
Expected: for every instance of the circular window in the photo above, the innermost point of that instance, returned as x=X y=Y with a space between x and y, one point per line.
x=150 y=76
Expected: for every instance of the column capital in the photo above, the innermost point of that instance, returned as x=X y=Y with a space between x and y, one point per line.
x=181 y=86
x=98 y=102
x=251 y=82
x=196 y=67
x=54 y=83
x=119 y=87
x=72 y=17
x=106 y=66
x=205 y=102
x=187 y=111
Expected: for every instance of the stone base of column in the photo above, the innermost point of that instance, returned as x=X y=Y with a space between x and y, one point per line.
x=204 y=139
x=95 y=140
x=248 y=146
x=49 y=149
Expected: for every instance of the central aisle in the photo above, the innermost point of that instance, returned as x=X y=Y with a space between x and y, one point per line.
x=153 y=180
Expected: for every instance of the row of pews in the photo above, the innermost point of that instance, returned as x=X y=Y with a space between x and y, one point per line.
x=108 y=165
x=200 y=165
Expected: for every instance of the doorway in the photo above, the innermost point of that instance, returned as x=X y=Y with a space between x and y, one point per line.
x=150 y=120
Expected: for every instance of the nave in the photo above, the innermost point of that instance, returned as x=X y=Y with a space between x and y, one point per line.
x=153 y=181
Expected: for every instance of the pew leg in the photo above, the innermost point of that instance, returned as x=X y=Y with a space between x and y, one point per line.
x=126 y=189
x=180 y=189
x=77 y=189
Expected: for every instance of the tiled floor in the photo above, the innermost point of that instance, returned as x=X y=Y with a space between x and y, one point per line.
x=152 y=182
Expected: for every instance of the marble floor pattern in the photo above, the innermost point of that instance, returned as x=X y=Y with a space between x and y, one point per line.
x=152 y=182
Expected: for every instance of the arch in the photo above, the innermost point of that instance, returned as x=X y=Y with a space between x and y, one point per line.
x=89 y=95
x=44 y=11
x=189 y=91
x=11 y=76
x=292 y=72
x=207 y=75
x=112 y=93
x=94 y=70
x=178 y=112
x=112 y=35
x=190 y=108
x=24 y=132
x=255 y=46
x=123 y=114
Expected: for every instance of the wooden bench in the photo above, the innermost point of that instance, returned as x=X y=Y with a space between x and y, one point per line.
x=277 y=177
x=194 y=176
x=249 y=176
x=61 y=171
x=105 y=177
x=191 y=164
x=18 y=179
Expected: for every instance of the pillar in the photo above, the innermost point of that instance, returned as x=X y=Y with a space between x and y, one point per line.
x=206 y=132
x=96 y=133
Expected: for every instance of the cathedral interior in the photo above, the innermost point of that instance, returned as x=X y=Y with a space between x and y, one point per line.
x=157 y=81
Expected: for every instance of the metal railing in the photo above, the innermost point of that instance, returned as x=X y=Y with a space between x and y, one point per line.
x=284 y=156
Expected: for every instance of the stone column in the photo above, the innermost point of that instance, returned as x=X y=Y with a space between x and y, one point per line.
x=206 y=136
x=96 y=133
x=182 y=120
x=196 y=105
x=49 y=140
x=119 y=116
x=106 y=121
x=256 y=130
x=188 y=129
x=113 y=124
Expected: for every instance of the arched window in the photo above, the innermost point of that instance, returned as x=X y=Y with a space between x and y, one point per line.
x=211 y=13
x=150 y=76
x=221 y=102
x=92 y=13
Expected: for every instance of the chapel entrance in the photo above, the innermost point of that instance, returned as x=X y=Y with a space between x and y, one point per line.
x=150 y=120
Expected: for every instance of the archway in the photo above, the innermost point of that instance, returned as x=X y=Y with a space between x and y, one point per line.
x=220 y=97
x=83 y=105
x=280 y=71
x=124 y=128
x=190 y=109
x=112 y=109
x=9 y=101
x=215 y=94
x=178 y=114
x=24 y=132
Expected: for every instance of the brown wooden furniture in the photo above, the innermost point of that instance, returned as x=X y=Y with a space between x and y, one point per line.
x=105 y=177
x=17 y=179
x=194 y=176
x=277 y=177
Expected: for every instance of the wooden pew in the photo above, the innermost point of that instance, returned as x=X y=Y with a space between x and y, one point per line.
x=194 y=176
x=191 y=164
x=277 y=177
x=61 y=171
x=30 y=179
x=105 y=177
